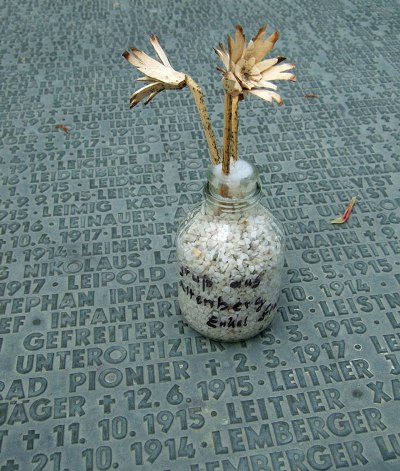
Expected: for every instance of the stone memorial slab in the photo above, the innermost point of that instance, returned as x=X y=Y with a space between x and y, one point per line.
x=98 y=371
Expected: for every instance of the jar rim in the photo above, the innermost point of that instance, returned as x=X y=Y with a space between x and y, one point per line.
x=232 y=204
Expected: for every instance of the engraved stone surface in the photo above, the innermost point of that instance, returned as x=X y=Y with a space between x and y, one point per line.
x=98 y=370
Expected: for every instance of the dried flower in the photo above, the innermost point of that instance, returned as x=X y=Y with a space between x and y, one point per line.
x=159 y=75
x=347 y=212
x=245 y=71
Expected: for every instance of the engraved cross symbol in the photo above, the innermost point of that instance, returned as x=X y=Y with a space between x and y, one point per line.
x=6 y=203
x=106 y=403
x=180 y=325
x=213 y=365
x=9 y=466
x=370 y=234
x=368 y=219
x=30 y=438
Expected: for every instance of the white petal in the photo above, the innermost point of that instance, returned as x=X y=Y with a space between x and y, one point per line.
x=265 y=84
x=145 y=91
x=264 y=65
x=256 y=78
x=151 y=96
x=275 y=72
x=224 y=56
x=267 y=95
x=239 y=44
x=283 y=67
x=277 y=76
x=145 y=59
x=248 y=84
x=163 y=74
x=132 y=59
x=259 y=47
x=159 y=50
x=156 y=70
x=260 y=34
x=249 y=50
x=145 y=78
x=253 y=84
x=266 y=46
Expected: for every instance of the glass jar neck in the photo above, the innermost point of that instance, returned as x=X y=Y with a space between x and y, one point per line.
x=231 y=204
x=238 y=191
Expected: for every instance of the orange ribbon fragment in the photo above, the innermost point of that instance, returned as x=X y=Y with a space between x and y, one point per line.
x=63 y=127
x=346 y=214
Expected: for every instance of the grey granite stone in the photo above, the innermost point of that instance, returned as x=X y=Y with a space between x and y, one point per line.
x=98 y=370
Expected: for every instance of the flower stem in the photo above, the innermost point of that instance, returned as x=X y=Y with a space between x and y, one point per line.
x=226 y=154
x=234 y=127
x=205 y=119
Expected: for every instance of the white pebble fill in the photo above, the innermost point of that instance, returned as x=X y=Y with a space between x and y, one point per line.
x=231 y=267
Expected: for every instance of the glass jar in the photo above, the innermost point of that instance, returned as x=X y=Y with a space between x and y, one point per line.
x=230 y=251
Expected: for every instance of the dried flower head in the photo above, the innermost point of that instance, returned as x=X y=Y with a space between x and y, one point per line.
x=246 y=71
x=159 y=75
